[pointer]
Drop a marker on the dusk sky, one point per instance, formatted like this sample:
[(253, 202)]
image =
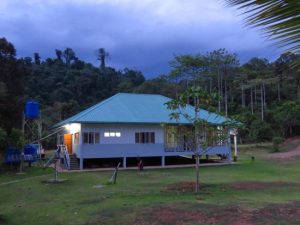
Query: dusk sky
[(142, 35)]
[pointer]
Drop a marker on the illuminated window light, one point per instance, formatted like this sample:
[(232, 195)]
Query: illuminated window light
[(112, 134)]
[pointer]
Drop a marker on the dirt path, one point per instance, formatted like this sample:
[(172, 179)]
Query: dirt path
[(286, 155), (23, 179)]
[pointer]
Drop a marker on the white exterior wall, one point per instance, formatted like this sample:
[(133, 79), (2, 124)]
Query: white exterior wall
[(127, 132), (72, 129), (125, 146)]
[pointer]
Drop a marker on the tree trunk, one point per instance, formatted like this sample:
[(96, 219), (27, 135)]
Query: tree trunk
[(187, 87), (226, 101), (251, 101), (278, 92), (264, 90), (219, 91), (197, 106), (221, 81), (298, 90), (197, 187), (255, 101), (262, 102), (243, 97)]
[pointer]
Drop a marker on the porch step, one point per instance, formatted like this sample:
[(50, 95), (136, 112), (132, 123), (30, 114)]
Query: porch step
[(74, 165)]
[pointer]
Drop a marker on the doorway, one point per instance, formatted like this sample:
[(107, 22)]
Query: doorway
[(68, 142)]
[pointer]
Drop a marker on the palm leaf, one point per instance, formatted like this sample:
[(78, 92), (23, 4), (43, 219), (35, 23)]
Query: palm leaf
[(279, 19)]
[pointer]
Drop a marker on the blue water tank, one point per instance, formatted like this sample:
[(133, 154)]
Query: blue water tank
[(32, 110)]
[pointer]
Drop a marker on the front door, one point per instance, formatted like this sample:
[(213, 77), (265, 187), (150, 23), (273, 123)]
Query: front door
[(68, 142)]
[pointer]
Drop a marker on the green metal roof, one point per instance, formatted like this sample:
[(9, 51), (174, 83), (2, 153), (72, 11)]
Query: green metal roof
[(136, 108)]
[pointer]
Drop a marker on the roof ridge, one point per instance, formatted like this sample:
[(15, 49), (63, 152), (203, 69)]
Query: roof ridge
[(126, 93)]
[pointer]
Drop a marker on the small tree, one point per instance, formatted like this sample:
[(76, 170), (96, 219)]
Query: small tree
[(276, 143), (197, 139), (102, 55)]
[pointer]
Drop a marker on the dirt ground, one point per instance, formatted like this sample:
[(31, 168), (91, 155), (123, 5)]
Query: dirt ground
[(285, 155), (226, 215), (252, 185), (290, 154), (214, 214), (261, 185)]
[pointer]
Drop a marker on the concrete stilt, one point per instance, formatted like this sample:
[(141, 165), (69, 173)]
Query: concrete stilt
[(81, 163), (235, 148), (124, 162), (163, 161)]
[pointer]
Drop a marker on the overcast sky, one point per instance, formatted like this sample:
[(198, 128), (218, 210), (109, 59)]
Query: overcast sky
[(138, 34)]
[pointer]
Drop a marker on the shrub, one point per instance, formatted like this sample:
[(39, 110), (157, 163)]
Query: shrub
[(16, 139), (260, 131), (276, 142)]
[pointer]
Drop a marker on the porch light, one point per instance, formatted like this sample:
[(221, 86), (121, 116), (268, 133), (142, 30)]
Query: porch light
[(73, 127)]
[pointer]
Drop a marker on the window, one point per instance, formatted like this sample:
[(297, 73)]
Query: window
[(85, 138), (91, 138), (97, 138), (112, 134), (144, 137), (76, 138)]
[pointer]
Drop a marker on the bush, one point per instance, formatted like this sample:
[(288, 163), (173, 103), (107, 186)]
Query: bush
[(260, 131), (276, 142), (16, 139)]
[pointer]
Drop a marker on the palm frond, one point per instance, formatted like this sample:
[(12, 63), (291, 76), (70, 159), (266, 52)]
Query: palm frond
[(279, 19)]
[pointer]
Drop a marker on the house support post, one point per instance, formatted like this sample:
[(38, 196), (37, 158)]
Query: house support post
[(81, 163), (235, 148), (163, 161), (124, 162)]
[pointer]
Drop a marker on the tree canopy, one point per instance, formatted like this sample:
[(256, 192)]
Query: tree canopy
[(258, 93)]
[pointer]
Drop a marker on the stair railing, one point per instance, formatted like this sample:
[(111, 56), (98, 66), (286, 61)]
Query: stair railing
[(65, 154)]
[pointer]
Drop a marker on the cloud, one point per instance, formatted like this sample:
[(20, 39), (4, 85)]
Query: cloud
[(138, 34)]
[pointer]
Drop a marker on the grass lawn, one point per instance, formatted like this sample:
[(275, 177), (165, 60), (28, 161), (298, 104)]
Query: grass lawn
[(259, 192)]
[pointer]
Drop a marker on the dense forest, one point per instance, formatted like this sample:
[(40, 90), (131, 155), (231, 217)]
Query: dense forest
[(264, 95)]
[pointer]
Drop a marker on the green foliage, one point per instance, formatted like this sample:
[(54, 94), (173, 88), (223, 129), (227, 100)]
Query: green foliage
[(64, 85), (12, 72), (276, 142), (279, 19), (16, 139), (199, 98), (260, 131), (3, 136), (287, 115)]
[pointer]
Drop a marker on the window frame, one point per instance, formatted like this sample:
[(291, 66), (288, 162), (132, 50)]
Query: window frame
[(147, 137), (76, 138), (89, 137)]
